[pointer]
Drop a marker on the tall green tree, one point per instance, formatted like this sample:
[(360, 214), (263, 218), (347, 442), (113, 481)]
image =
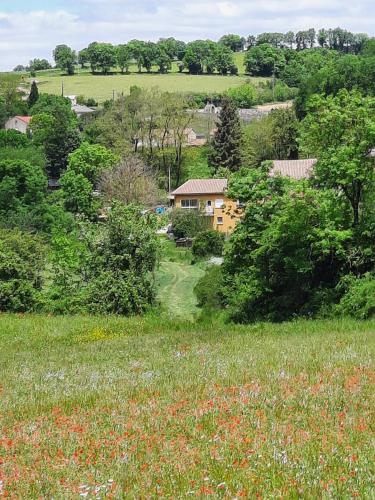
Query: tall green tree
[(340, 132), (65, 58), (226, 144), (264, 60), (124, 57), (102, 56), (34, 94)]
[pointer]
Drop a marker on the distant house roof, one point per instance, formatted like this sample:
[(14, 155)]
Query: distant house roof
[(81, 109), (296, 169), (25, 119), (202, 186)]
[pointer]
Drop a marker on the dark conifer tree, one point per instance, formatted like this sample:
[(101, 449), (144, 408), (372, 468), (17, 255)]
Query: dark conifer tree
[(226, 143), (34, 94)]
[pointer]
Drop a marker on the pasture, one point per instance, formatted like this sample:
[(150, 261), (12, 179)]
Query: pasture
[(152, 407), (103, 87)]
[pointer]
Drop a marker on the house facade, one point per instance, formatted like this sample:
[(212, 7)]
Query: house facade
[(19, 123), (209, 197)]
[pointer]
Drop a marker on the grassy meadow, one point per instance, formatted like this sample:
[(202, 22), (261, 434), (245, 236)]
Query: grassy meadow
[(150, 407), (101, 87)]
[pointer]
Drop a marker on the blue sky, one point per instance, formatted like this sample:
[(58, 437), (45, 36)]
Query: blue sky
[(32, 28)]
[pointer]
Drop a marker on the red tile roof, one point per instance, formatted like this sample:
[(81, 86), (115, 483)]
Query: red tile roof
[(202, 186), (297, 169), (25, 119)]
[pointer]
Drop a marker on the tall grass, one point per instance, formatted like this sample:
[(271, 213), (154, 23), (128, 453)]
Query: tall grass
[(146, 407)]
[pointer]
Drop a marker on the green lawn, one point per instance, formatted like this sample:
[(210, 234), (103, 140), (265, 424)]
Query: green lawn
[(146, 408)]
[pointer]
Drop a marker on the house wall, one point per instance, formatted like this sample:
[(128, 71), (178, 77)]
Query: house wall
[(16, 124), (229, 213)]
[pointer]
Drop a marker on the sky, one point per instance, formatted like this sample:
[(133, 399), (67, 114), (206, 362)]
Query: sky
[(32, 28)]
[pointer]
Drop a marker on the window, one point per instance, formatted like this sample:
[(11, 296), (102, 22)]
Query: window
[(220, 221), (189, 203), (219, 202)]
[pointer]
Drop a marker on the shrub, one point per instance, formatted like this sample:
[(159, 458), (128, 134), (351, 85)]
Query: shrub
[(188, 223), (245, 96), (359, 298), (208, 243), (123, 259), (207, 290), (13, 139), (21, 266)]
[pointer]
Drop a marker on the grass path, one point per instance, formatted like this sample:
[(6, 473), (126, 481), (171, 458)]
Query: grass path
[(176, 278), (176, 282)]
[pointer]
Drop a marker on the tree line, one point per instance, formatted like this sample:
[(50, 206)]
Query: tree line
[(198, 56)]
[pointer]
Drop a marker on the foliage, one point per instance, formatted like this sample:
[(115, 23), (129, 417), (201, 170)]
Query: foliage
[(208, 243), (55, 128), (101, 56), (207, 290), (287, 256), (34, 94), (264, 60), (85, 166), (38, 65), (65, 58), (359, 297), (245, 96), (78, 194), (31, 154), (195, 164), (21, 265), (227, 139), (124, 57), (207, 56), (123, 260), (188, 223), (14, 139), (21, 185), (340, 132), (233, 42), (91, 160)]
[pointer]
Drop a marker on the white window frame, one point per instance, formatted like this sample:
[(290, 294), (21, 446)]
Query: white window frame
[(190, 204), (218, 221), (219, 203)]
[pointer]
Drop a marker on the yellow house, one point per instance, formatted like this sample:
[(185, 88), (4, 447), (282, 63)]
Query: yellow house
[(208, 196)]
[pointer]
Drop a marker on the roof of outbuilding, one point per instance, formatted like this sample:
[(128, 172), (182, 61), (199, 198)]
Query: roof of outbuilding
[(296, 169), (202, 186), (25, 119), (82, 109)]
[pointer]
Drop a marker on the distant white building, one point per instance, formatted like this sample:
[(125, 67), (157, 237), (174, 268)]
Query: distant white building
[(82, 110), (72, 99), (19, 123)]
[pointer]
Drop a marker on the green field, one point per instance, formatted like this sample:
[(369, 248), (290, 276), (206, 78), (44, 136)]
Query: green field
[(146, 408), (101, 87)]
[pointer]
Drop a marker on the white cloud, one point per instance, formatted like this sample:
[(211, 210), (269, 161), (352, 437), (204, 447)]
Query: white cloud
[(25, 35)]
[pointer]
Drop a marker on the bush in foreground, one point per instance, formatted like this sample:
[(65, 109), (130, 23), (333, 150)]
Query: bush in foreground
[(21, 265)]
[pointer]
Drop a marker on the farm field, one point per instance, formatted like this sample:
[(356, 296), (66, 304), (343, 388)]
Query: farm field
[(147, 407), (101, 87)]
